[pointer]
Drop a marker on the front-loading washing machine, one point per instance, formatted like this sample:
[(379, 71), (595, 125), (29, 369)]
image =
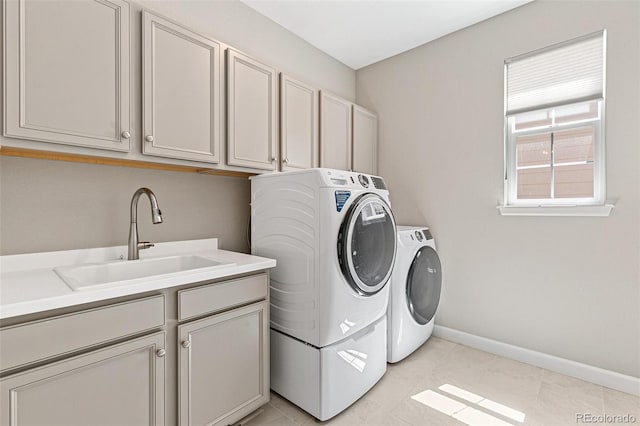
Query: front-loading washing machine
[(333, 236), (414, 295)]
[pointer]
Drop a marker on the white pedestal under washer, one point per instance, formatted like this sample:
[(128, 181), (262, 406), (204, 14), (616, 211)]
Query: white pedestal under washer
[(414, 295), (333, 236)]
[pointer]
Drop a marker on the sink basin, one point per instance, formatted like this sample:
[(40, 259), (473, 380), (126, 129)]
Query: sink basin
[(122, 272)]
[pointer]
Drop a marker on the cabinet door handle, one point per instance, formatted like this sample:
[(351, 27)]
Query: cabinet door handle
[(161, 352), (285, 161), (274, 159), (186, 344), (149, 138), (126, 135)]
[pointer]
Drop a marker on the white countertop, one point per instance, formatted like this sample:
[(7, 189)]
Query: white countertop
[(28, 283)]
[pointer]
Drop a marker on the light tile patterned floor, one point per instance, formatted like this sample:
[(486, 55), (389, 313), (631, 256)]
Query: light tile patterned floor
[(460, 385)]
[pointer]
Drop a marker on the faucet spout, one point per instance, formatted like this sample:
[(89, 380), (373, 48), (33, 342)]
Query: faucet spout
[(156, 217)]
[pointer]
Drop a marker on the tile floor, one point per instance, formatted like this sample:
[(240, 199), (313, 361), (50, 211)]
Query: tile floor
[(460, 385)]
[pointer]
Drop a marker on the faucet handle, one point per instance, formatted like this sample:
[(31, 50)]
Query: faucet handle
[(145, 245)]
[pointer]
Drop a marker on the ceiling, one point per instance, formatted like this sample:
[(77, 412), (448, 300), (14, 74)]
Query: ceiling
[(361, 32)]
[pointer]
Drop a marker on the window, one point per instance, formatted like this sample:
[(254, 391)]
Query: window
[(554, 125)]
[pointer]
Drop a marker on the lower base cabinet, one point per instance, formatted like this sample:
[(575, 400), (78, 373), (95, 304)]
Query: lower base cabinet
[(109, 365), (223, 366), (122, 384)]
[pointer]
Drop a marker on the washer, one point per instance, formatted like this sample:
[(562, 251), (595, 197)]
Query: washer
[(416, 283), (333, 236)]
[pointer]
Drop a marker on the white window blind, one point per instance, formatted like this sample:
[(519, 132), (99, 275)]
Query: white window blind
[(566, 73)]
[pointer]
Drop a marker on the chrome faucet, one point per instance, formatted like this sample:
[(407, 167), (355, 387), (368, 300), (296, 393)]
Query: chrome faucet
[(156, 217)]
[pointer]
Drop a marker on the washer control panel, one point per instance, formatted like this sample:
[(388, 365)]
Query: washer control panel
[(364, 181), (378, 183), (352, 180)]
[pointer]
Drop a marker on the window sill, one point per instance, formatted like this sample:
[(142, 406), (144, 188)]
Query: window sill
[(600, 210)]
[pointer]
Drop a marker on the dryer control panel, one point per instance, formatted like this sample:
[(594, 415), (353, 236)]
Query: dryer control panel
[(414, 235)]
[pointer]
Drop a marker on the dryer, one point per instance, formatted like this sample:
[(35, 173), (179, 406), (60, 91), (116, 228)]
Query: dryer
[(414, 296), (333, 235)]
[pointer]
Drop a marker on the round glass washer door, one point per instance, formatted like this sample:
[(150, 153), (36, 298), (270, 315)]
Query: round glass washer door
[(424, 283), (367, 244)]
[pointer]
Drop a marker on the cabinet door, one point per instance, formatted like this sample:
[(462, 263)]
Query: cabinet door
[(67, 72), (181, 81), (224, 366), (365, 141), (251, 113), (298, 124), (335, 132), (119, 385)]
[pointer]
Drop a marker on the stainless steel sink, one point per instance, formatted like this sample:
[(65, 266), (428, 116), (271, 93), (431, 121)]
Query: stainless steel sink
[(122, 272)]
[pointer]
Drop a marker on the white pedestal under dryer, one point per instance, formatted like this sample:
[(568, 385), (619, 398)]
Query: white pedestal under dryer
[(414, 295), (333, 236)]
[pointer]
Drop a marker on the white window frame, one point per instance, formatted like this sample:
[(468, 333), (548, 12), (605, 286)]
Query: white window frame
[(511, 181), (592, 206)]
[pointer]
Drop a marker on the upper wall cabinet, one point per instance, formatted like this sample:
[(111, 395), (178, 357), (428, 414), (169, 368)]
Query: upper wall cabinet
[(335, 132), (251, 113), (66, 72), (181, 92), (298, 124), (365, 141)]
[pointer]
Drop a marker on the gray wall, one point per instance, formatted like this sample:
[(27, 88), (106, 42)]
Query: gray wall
[(47, 205), (566, 286), (54, 205)]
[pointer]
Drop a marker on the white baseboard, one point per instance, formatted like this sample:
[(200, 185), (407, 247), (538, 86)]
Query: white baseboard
[(589, 373)]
